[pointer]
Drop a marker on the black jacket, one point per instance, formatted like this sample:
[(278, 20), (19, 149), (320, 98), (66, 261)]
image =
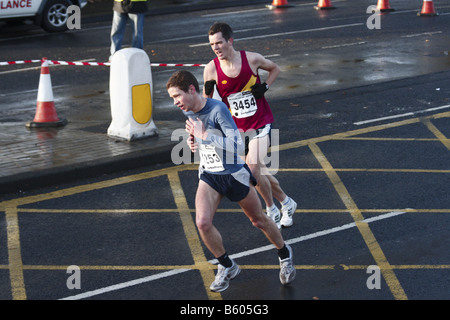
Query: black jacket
[(130, 6)]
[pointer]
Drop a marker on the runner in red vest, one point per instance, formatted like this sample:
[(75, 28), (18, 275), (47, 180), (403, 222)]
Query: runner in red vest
[(235, 74)]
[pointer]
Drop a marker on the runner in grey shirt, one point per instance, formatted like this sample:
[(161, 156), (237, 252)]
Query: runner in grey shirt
[(221, 149), (217, 139)]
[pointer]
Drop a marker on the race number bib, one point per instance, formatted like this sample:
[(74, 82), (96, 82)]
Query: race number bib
[(242, 104), (209, 159)]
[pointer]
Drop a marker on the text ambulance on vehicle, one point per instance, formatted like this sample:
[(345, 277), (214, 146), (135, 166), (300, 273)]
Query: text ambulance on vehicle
[(51, 15)]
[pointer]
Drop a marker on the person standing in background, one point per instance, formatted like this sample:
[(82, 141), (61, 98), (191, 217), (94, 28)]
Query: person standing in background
[(124, 10)]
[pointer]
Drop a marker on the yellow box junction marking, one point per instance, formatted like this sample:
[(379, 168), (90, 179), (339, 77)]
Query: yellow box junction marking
[(11, 210)]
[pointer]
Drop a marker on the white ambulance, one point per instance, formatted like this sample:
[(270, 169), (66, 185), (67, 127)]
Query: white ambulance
[(49, 14)]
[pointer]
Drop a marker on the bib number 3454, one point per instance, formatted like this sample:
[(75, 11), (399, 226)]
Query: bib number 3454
[(242, 104)]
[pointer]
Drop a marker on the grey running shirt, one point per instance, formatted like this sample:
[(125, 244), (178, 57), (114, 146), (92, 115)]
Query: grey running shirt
[(220, 152)]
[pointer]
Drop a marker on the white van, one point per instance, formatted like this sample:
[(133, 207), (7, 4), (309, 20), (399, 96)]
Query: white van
[(51, 15)]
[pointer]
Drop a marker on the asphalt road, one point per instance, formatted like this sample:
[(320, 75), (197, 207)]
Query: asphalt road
[(317, 51), (363, 117)]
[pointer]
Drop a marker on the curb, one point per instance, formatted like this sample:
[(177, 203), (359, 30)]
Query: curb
[(90, 169)]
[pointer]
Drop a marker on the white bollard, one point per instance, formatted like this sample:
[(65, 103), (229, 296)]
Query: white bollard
[(130, 90)]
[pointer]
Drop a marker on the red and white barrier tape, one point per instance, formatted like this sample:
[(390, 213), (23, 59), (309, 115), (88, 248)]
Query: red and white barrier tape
[(177, 65), (79, 63), (8, 63)]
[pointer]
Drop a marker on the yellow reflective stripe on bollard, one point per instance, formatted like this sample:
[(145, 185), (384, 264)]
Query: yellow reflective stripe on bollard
[(142, 103)]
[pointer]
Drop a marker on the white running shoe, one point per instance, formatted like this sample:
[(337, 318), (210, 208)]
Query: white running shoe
[(223, 277), (287, 268), (288, 211), (275, 215)]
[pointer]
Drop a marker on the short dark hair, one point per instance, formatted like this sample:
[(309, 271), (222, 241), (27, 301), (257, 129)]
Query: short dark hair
[(226, 30), (183, 79)]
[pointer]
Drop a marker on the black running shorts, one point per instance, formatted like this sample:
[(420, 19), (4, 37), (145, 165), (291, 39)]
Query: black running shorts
[(234, 186)]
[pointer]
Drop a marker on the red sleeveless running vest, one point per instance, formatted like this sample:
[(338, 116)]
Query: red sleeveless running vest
[(246, 78)]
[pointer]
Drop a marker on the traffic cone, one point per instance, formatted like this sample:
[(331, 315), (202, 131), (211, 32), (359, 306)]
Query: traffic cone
[(45, 107), (324, 5), (383, 6), (279, 4), (427, 9)]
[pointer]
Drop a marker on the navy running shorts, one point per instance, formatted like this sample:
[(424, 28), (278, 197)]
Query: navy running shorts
[(234, 186)]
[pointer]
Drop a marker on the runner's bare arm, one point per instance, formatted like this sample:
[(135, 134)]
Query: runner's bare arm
[(257, 61)]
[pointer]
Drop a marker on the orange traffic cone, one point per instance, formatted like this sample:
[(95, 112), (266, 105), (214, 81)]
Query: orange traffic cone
[(45, 107), (383, 6), (427, 9), (279, 4), (324, 5)]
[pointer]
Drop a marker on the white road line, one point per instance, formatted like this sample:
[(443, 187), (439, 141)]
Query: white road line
[(126, 284), (45, 34), (420, 34), (254, 10), (313, 235), (30, 91), (233, 256), (205, 35), (287, 33), (20, 70), (384, 216), (232, 12), (344, 45), (309, 4), (408, 114)]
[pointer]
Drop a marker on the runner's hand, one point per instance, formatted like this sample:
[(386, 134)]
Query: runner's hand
[(193, 145), (259, 89), (196, 128)]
